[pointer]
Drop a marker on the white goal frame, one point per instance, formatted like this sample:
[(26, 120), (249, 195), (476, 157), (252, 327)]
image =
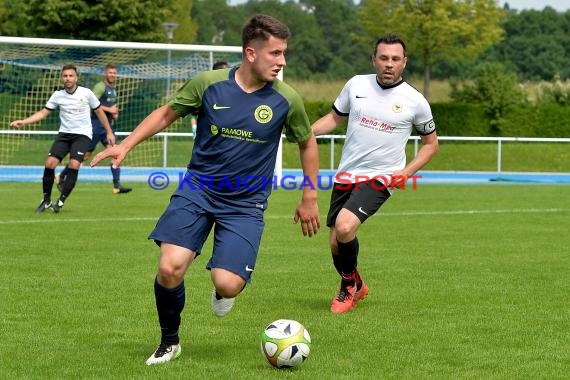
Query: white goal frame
[(167, 47)]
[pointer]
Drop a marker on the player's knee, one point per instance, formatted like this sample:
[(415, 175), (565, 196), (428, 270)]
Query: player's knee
[(74, 164), (227, 284), (344, 230), (230, 290), (170, 276)]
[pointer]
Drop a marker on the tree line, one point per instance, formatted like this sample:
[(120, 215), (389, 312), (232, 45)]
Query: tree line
[(332, 39)]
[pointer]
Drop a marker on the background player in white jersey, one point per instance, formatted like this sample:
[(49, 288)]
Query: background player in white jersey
[(75, 104), (382, 109), (105, 91)]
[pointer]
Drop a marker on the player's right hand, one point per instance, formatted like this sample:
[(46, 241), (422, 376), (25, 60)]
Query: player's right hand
[(17, 124), (111, 138), (116, 152), (114, 110)]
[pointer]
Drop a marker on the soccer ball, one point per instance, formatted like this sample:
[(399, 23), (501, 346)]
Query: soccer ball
[(285, 343)]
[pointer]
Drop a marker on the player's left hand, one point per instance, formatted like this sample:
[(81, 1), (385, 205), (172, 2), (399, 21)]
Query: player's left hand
[(17, 124), (116, 152), (111, 138), (308, 213), (398, 180)]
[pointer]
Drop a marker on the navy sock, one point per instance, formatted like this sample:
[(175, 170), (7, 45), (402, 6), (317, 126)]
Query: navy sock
[(116, 172), (169, 305)]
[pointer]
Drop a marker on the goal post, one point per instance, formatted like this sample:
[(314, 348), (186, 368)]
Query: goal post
[(148, 74)]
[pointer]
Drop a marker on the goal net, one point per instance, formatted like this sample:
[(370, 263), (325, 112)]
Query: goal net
[(148, 74)]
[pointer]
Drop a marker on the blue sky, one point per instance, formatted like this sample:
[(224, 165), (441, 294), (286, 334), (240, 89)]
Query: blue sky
[(559, 5)]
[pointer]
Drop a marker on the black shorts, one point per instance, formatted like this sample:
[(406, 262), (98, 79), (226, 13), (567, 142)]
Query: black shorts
[(70, 143), (362, 199)]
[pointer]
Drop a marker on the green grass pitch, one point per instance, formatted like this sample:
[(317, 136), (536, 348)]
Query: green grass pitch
[(466, 281)]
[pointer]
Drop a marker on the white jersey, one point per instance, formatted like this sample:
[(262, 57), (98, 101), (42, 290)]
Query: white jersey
[(379, 125), (74, 110)]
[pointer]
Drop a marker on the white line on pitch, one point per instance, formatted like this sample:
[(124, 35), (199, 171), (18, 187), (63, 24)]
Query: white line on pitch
[(60, 219)]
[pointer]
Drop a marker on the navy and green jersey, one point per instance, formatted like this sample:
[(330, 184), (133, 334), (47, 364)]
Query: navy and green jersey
[(108, 98), (238, 133)]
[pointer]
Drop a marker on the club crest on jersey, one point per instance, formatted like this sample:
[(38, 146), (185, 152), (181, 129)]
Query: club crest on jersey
[(397, 108), (213, 129), (263, 114)]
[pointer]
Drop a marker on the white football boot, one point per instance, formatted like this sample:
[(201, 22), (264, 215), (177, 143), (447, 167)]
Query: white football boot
[(164, 353), (222, 306)]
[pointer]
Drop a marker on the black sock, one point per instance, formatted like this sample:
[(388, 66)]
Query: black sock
[(336, 263), (47, 183), (169, 305), (63, 173), (69, 183), (348, 254), (116, 172)]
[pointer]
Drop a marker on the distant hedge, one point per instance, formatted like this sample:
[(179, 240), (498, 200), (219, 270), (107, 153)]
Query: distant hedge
[(459, 119)]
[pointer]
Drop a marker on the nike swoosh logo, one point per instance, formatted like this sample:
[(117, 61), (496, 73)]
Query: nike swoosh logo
[(360, 97), (248, 269), (217, 107), (362, 211)]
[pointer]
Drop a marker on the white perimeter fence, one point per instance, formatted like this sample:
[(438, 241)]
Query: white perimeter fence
[(334, 138)]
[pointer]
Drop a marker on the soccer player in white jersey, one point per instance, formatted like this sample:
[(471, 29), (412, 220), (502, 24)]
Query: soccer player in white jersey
[(382, 110), (75, 104)]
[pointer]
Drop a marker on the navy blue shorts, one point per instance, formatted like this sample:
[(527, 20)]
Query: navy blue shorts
[(188, 220), (100, 135)]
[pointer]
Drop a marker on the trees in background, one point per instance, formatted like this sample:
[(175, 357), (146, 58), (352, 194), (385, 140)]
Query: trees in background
[(110, 20), (436, 30), (495, 87), (536, 44), (332, 39)]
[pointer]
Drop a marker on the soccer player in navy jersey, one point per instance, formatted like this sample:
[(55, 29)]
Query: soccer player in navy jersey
[(382, 110), (75, 104), (242, 112)]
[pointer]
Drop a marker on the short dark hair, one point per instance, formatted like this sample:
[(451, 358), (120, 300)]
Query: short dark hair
[(261, 27), (69, 67), (389, 39), (220, 65), (110, 66)]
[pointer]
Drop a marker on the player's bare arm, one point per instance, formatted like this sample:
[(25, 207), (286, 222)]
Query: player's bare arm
[(113, 110), (308, 210), (40, 115), (428, 150), (327, 123), (103, 119), (158, 120)]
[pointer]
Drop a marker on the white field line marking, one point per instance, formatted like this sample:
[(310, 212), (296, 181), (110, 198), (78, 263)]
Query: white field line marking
[(59, 219)]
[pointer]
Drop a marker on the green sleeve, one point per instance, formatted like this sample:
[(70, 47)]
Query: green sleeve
[(99, 89), (188, 98), (297, 126)]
